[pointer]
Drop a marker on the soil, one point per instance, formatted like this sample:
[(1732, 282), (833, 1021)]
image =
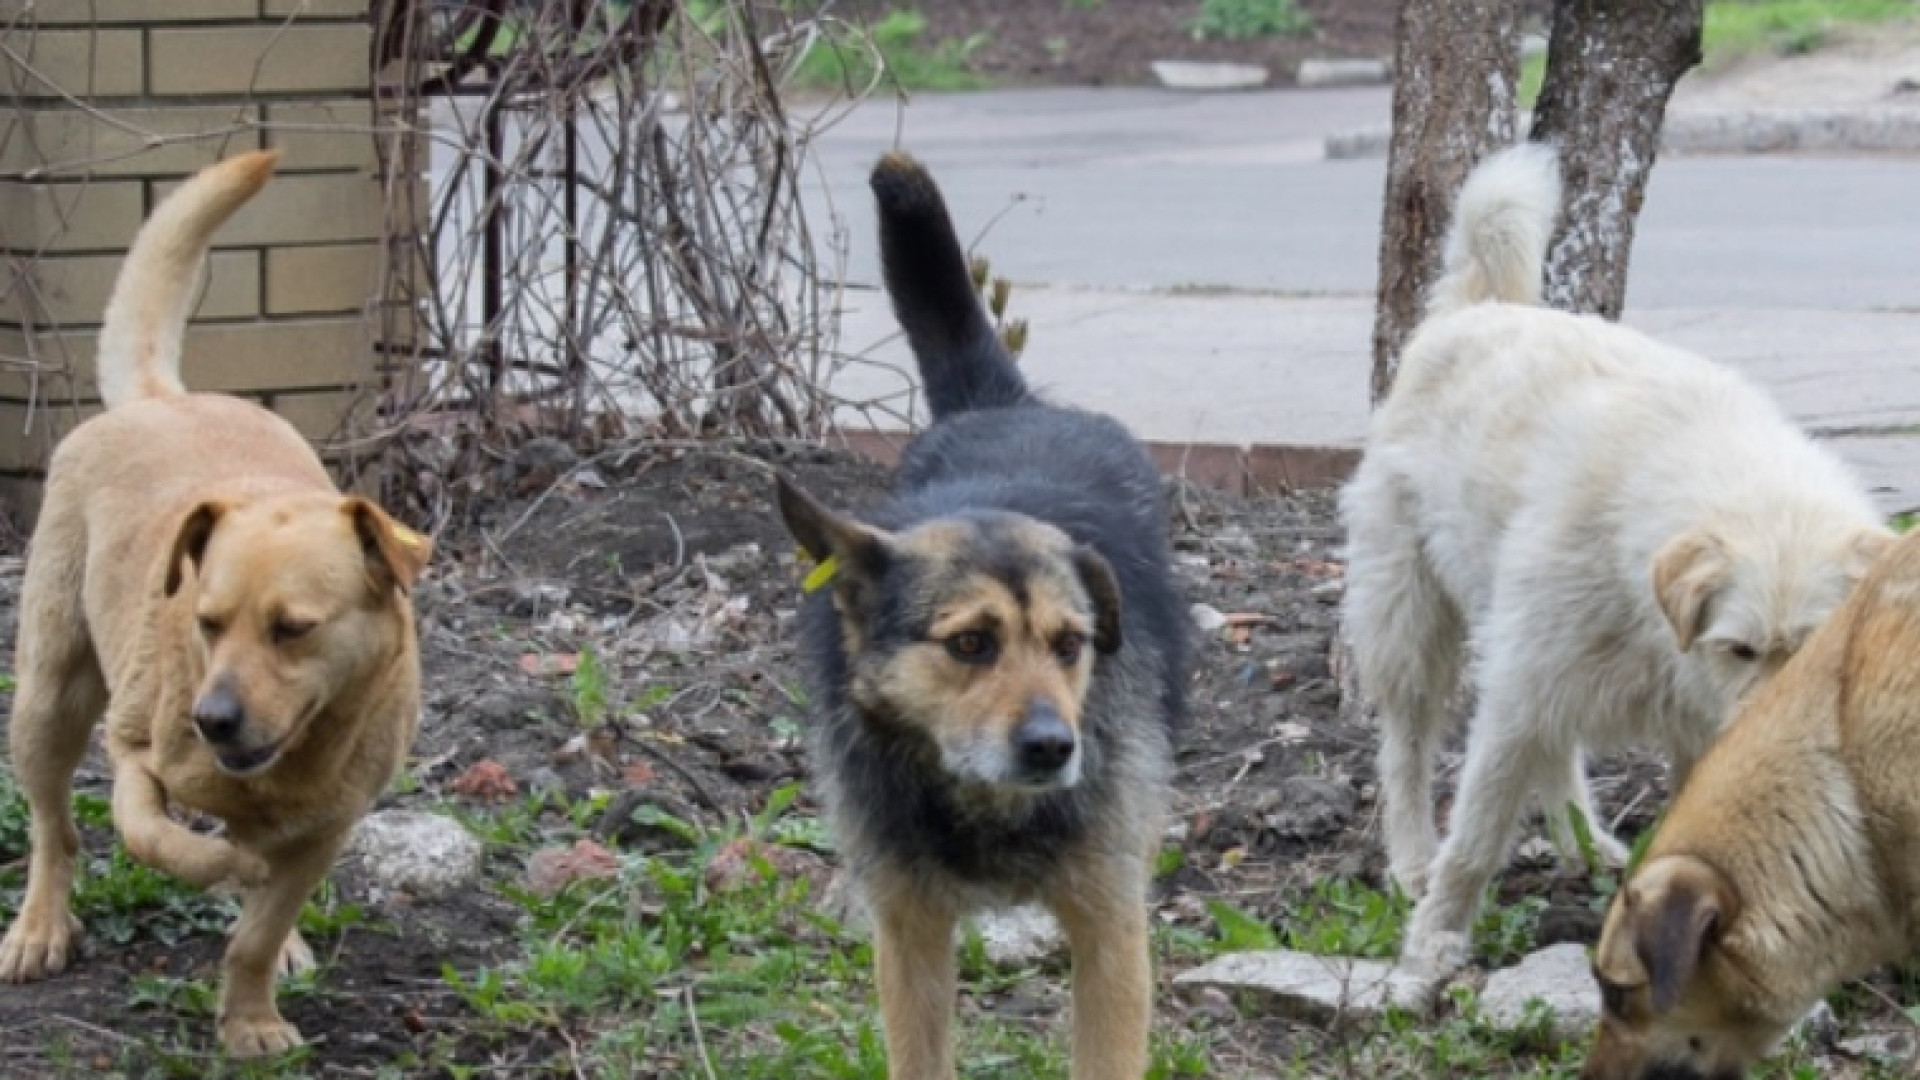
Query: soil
[(1113, 42), (674, 566)]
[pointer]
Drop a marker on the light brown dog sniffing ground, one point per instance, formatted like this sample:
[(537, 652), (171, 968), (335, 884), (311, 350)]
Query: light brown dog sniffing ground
[(244, 627), (1789, 862)]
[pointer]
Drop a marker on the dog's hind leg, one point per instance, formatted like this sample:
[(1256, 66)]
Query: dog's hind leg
[(1505, 764), (1101, 904), (917, 976), (1560, 803), (57, 700), (1408, 641)]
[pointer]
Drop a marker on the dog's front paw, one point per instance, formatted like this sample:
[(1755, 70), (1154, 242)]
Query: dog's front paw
[(35, 948), (1435, 957), (256, 1038), (296, 957)]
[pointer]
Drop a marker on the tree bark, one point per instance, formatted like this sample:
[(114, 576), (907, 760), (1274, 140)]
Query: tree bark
[(1611, 67), (1456, 70)]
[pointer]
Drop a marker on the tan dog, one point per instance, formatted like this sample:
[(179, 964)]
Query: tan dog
[(244, 627), (1789, 862)]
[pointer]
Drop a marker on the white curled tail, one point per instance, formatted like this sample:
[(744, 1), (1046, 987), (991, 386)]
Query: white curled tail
[(1502, 222), (159, 284)]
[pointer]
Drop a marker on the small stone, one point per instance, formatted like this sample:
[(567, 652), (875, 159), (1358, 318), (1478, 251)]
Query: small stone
[(545, 781), (1324, 72), (485, 780), (1315, 989), (1559, 977), (1308, 807), (1330, 592), (1207, 617), (423, 855), (553, 869), (1887, 1048), (1019, 937), (744, 862)]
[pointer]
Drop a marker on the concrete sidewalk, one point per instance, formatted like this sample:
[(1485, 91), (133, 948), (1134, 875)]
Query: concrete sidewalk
[(1190, 265), (1239, 371)]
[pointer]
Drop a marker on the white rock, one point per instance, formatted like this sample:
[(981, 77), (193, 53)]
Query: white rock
[(1317, 989), (1193, 75), (1019, 937), (1888, 1048), (1207, 617), (1325, 72), (1557, 976), (423, 855)]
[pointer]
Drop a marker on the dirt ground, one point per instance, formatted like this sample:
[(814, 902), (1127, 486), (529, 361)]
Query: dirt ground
[(1113, 42), (675, 569)]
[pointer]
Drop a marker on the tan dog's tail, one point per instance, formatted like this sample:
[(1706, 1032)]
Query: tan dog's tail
[(1502, 221), (159, 285)]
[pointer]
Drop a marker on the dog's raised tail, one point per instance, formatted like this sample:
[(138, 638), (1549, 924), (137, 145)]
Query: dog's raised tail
[(159, 284), (963, 364), (1502, 222)]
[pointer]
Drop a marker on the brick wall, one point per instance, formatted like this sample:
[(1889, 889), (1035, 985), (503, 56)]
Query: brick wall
[(113, 102)]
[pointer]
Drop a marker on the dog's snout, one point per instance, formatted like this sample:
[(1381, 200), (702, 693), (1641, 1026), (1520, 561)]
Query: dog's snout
[(219, 715), (1043, 740)]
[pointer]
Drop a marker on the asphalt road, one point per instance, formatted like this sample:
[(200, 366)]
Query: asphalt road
[(1142, 189)]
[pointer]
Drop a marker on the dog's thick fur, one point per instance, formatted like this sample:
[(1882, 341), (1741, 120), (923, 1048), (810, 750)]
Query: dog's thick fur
[(1790, 861), (1016, 582), (244, 627), (1629, 536)]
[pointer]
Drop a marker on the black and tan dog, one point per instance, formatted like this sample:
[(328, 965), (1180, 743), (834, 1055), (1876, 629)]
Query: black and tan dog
[(997, 667), (1788, 863)]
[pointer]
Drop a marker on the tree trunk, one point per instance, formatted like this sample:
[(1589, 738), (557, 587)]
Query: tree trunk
[(1611, 66), (1456, 69)]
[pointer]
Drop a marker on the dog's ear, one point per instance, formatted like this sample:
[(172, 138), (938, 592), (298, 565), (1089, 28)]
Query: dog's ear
[(1687, 571), (1096, 576), (1865, 550), (860, 551), (1676, 909), (190, 542), (395, 554)]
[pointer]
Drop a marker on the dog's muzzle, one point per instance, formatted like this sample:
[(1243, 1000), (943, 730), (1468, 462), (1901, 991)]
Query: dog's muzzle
[(1044, 746), (221, 720)]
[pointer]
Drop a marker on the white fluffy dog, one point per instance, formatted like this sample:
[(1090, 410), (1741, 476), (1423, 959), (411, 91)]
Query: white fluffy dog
[(1630, 536)]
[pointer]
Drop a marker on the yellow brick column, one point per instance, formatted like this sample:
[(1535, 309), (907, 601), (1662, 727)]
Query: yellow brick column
[(113, 101)]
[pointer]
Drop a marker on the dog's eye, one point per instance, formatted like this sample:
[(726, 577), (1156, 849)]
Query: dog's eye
[(210, 626), (971, 647), (289, 630), (1067, 647), (1743, 652)]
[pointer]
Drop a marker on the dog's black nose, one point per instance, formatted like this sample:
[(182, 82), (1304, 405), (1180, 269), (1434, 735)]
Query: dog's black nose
[(1043, 741), (219, 715)]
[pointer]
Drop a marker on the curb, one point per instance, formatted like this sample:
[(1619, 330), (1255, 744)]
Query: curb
[(1259, 469), (1881, 131)]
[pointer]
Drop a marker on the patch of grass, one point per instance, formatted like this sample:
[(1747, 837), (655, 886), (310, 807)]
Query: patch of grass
[(1343, 917), (1900, 523), (1737, 28), (1790, 27), (1244, 20), (899, 40), (121, 901)]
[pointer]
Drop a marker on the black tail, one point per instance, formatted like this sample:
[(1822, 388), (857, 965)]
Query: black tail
[(962, 363)]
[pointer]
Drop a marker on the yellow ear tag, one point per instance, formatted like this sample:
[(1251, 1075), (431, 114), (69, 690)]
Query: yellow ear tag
[(407, 537), (820, 574)]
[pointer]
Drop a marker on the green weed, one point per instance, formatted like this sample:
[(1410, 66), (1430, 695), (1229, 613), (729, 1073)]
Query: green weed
[(904, 57), (1243, 20)]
